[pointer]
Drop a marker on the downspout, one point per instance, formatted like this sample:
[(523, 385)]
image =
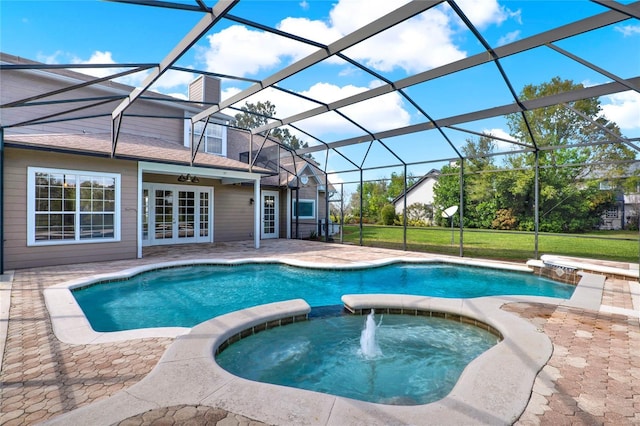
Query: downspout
[(2, 201)]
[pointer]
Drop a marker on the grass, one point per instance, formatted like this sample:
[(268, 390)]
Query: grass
[(507, 245)]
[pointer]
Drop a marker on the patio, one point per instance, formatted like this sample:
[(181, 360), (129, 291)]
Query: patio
[(591, 378)]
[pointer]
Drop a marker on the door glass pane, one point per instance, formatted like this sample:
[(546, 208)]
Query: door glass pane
[(164, 214), (186, 214), (204, 214), (269, 214), (145, 214)]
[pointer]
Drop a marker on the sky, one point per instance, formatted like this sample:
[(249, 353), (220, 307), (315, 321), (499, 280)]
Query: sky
[(82, 31)]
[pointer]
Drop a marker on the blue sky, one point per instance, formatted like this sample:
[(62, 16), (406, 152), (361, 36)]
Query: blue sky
[(104, 32)]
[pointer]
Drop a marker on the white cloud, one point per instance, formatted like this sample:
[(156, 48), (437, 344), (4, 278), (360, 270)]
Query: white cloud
[(484, 12), (628, 30), (382, 113), (421, 43), (178, 95), (499, 144), (170, 79), (509, 38), (623, 109), (49, 59), (239, 51)]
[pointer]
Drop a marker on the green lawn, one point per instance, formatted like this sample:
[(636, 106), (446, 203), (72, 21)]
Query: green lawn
[(519, 246)]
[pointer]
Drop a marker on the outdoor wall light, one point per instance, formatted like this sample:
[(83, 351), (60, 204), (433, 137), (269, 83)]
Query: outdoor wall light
[(251, 201), (188, 178)]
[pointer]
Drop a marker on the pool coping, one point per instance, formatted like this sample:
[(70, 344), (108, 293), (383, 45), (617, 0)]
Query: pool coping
[(493, 389), (70, 325)]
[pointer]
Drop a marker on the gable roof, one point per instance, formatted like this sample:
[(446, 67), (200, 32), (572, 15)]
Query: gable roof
[(130, 147), (433, 174)]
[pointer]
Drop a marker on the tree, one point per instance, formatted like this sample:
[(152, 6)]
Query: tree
[(569, 200), (571, 157), (396, 184), (446, 193), (479, 182), (259, 114)]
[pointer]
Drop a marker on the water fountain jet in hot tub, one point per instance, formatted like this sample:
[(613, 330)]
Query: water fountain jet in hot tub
[(408, 360)]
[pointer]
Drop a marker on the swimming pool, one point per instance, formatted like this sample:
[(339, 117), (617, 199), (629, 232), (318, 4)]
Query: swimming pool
[(186, 296)]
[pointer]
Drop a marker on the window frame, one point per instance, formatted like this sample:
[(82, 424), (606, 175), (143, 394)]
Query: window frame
[(304, 200), (77, 212), (205, 142)]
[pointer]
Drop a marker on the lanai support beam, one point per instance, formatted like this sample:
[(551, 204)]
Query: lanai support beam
[(536, 202), (256, 213), (461, 208), (404, 209), (2, 201), (196, 33)]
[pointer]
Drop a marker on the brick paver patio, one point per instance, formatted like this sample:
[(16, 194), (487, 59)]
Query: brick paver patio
[(592, 377)]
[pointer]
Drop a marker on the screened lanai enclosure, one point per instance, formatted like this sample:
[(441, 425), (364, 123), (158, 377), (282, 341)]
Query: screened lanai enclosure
[(528, 112)]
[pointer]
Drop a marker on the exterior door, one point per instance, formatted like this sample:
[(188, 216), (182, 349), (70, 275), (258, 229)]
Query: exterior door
[(174, 214), (269, 228)]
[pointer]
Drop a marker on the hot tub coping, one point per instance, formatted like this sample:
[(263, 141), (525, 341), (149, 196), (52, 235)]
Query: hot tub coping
[(493, 389)]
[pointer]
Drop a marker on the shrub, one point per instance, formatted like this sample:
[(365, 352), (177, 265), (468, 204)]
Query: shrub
[(388, 214), (504, 220)]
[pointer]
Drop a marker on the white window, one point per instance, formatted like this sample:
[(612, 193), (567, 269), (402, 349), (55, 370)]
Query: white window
[(307, 209), (72, 206), (605, 185), (612, 213), (214, 140)]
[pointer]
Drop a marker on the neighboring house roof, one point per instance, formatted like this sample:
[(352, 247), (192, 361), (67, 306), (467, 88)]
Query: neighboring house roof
[(433, 174), (130, 147)]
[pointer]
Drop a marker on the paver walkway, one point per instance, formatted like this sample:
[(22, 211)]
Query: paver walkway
[(592, 378)]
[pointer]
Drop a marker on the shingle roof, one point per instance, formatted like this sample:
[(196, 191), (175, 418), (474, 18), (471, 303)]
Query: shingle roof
[(131, 147)]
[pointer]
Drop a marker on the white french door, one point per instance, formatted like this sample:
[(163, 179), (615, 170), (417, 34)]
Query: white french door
[(174, 214), (269, 226)]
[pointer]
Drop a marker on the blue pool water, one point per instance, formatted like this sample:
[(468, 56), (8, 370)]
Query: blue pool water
[(420, 359), (186, 296)]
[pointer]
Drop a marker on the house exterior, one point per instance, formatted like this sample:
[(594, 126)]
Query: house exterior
[(71, 195), (625, 213), (420, 192)]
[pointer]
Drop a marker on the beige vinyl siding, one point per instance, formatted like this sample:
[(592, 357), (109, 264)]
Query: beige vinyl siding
[(20, 85), (237, 143), (282, 209), (18, 255), (232, 213)]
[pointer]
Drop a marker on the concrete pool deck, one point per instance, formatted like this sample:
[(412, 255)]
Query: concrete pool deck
[(591, 377)]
